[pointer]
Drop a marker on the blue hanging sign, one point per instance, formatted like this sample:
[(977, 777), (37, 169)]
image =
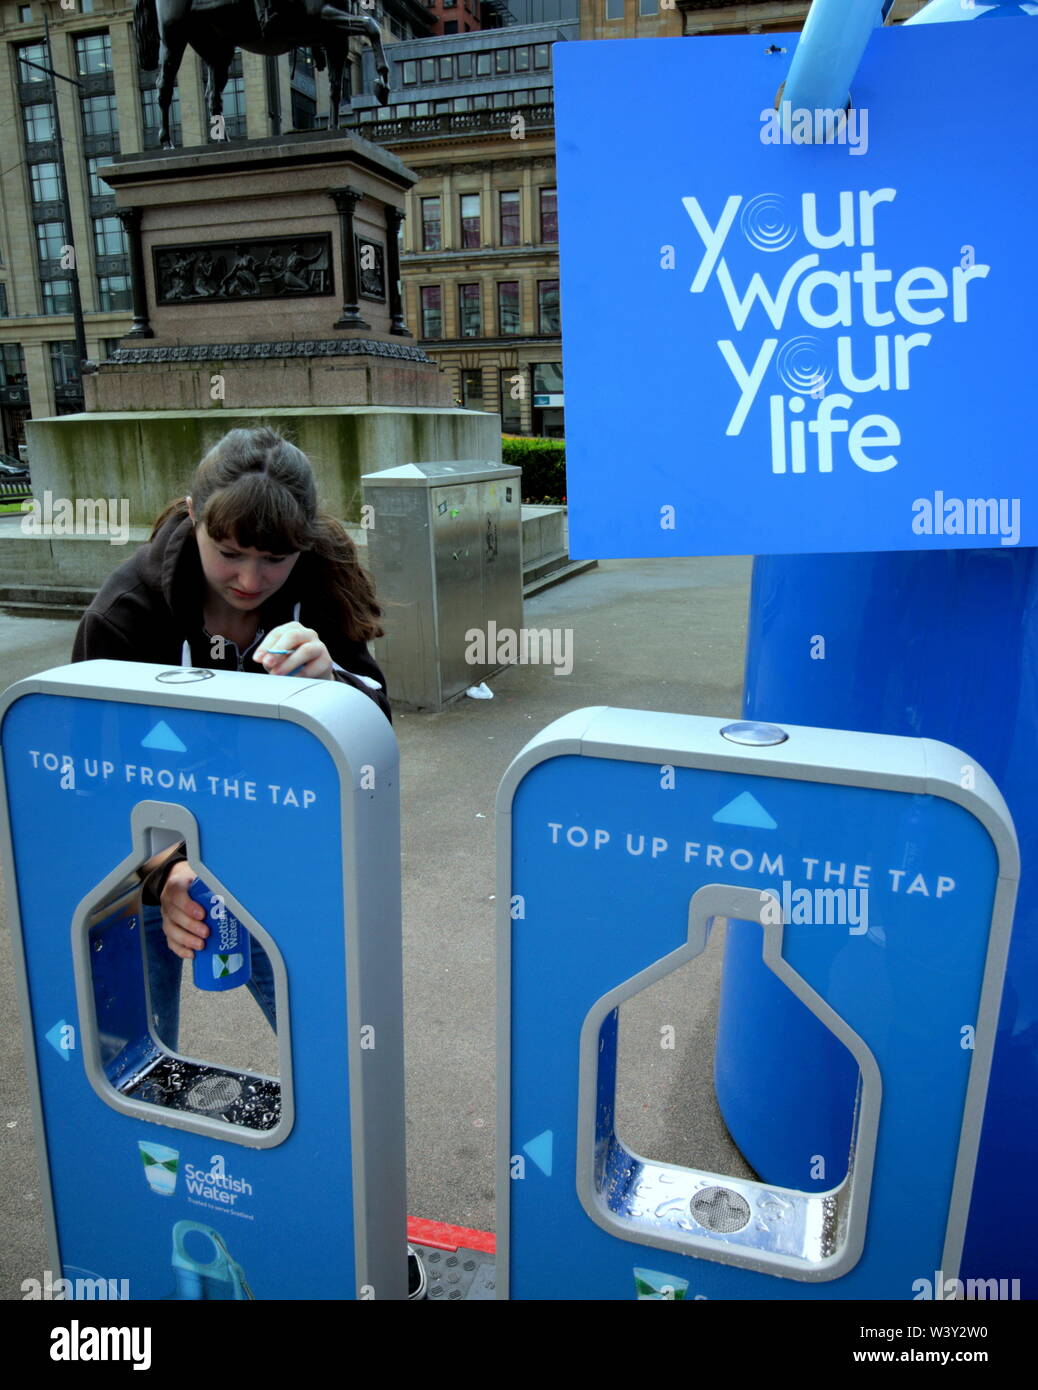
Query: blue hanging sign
[(879, 874), (167, 1175), (774, 344)]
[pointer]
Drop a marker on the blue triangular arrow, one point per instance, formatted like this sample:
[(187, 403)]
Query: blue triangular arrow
[(162, 736), (745, 810), (56, 1038), (539, 1150)]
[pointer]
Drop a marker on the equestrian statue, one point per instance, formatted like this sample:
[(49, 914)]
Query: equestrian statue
[(215, 28)]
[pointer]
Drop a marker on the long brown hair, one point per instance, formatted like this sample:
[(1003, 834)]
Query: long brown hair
[(257, 490)]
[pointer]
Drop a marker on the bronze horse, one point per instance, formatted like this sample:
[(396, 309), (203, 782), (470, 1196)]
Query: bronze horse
[(215, 28)]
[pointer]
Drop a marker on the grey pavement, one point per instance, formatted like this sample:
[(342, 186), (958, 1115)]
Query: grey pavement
[(647, 634)]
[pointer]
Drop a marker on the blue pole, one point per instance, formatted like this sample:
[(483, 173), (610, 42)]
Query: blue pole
[(827, 56)]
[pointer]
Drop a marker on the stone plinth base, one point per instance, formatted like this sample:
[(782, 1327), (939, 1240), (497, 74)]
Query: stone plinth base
[(147, 457), (225, 376)]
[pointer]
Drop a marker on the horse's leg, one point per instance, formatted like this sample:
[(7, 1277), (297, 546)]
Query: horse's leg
[(336, 64), (366, 26), (172, 42), (381, 86), (217, 56)]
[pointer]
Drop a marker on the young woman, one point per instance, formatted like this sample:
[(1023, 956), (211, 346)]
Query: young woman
[(243, 574)]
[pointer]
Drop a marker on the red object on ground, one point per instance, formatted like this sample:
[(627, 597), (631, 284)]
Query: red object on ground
[(439, 1236)]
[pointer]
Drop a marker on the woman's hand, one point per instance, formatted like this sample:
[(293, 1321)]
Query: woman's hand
[(181, 916), (306, 653)]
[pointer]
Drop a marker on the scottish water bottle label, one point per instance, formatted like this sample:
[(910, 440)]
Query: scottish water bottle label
[(225, 962)]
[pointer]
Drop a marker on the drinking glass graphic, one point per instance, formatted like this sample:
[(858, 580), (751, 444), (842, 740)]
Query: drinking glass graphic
[(160, 1166)]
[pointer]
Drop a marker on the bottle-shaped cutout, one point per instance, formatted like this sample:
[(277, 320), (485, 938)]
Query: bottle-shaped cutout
[(204, 1268), (225, 962)]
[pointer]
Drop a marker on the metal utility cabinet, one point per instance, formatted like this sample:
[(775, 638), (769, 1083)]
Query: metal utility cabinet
[(445, 550)]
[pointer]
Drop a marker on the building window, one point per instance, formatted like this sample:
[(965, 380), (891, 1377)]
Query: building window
[(513, 383), (24, 14), (470, 220), (39, 122), (483, 64), (508, 315), (548, 306), (95, 165), (504, 99), (110, 237), (428, 69), (410, 72), (57, 296), (502, 60), (462, 103), (472, 388), (464, 64), (646, 7), (114, 292), (549, 214), (543, 95), (152, 119), (450, 26), (100, 116), (446, 69), (50, 240), (509, 213), (234, 108), (304, 111), (12, 365), (547, 379), (29, 53), (540, 55), (432, 311), (109, 346), (614, 9), (470, 311), (46, 184), (64, 364), (431, 225), (93, 54), (3, 300)]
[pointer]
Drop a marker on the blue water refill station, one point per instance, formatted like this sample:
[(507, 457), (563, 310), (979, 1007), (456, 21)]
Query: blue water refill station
[(623, 836), (185, 1177)]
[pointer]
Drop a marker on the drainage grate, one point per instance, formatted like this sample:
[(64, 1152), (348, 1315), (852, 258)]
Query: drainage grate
[(720, 1209), (213, 1093), (237, 1097)]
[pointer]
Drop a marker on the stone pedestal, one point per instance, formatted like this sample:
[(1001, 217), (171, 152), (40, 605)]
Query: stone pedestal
[(265, 273), (266, 291)]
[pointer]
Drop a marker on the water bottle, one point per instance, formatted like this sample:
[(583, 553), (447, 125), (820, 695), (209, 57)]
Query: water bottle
[(225, 962)]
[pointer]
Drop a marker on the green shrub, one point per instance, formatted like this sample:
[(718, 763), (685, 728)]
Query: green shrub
[(543, 462)]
